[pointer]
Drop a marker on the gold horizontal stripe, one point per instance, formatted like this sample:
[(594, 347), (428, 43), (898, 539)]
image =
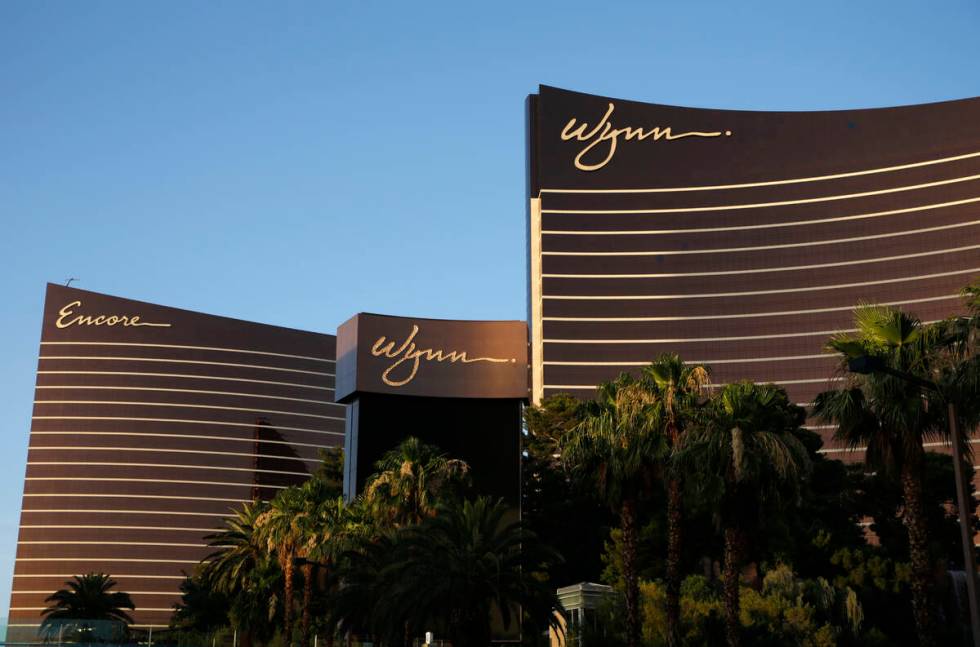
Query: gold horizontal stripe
[(715, 385), (645, 297), (171, 451), (154, 481), (799, 180), (778, 203), (112, 358), (107, 559), (174, 592), (112, 543), (115, 576), (678, 340), (843, 450), (182, 405), (101, 527), (709, 362), (818, 380), (173, 513), (186, 376), (217, 348), (192, 422), (134, 626), (140, 610), (759, 248), (758, 270), (775, 225), (130, 434), (329, 403), (747, 315), (185, 467), (134, 496)]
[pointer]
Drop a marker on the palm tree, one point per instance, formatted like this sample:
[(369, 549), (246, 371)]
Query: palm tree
[(353, 606), (891, 418), (412, 479), (331, 527), (743, 456), (242, 569), (86, 598), (619, 446), (202, 609), (677, 388), (239, 548), (451, 572), (283, 526), (312, 497)]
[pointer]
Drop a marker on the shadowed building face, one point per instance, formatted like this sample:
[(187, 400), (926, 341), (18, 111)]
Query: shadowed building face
[(150, 424)]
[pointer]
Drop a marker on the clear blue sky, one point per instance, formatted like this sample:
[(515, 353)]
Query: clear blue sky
[(295, 163)]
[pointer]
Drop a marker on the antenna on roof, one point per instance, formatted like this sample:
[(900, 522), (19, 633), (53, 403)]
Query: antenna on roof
[(68, 282)]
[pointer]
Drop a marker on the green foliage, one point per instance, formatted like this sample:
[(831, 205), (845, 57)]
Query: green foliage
[(826, 519), (447, 574), (879, 498), (745, 454), (605, 628), (242, 569), (548, 423), (787, 611), (892, 412), (649, 558), (883, 412), (620, 447), (379, 566), (556, 506), (411, 481), (619, 443), (201, 609), (239, 549), (256, 608), (330, 472), (678, 388)]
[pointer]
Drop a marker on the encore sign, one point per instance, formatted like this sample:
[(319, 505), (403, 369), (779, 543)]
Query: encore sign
[(431, 357), (71, 314)]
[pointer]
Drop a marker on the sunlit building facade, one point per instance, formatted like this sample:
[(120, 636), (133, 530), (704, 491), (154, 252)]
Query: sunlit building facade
[(742, 240)]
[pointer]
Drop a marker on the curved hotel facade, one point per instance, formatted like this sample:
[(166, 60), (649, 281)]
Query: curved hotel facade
[(150, 424), (739, 239)]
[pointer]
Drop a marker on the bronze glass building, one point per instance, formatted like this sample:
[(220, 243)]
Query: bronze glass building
[(150, 424), (739, 239)]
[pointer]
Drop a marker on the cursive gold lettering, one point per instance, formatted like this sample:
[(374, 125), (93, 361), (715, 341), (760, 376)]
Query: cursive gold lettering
[(605, 133), (411, 355), (67, 317)]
